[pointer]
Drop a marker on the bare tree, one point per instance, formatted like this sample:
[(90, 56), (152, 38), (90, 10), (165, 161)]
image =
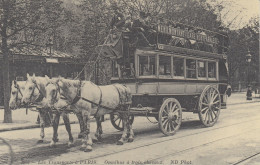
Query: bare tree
[(21, 23)]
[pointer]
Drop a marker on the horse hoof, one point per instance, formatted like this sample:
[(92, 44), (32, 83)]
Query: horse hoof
[(82, 147), (119, 143), (39, 141), (130, 140), (88, 149), (52, 145), (70, 144), (95, 140), (80, 136)]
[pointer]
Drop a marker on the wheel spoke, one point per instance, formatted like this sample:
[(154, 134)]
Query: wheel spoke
[(205, 98), (205, 104), (172, 109), (169, 125), (119, 122), (115, 119), (215, 97), (211, 115), (166, 112), (214, 113), (216, 102), (204, 109), (164, 122), (175, 123), (206, 116), (213, 93)]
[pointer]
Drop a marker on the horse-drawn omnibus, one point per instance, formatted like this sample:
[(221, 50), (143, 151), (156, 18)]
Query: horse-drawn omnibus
[(185, 69)]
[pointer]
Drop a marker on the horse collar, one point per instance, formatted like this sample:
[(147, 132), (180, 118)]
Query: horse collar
[(41, 96), (78, 95)]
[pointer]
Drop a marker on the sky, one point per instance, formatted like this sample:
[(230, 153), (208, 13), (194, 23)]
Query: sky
[(245, 9)]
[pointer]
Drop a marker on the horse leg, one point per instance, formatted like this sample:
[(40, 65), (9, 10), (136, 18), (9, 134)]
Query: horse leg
[(130, 130), (41, 116), (87, 143), (124, 135), (56, 119), (68, 128), (99, 128), (81, 125)]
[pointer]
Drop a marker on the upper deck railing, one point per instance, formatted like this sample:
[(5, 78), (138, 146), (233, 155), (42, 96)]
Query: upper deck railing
[(168, 33)]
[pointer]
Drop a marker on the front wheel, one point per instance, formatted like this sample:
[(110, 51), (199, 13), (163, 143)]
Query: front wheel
[(117, 122), (170, 116)]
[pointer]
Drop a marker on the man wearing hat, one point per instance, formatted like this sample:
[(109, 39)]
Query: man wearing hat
[(140, 26), (118, 20)]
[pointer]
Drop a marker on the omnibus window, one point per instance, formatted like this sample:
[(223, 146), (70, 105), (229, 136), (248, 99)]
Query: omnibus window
[(178, 64), (164, 65), (201, 69), (212, 69), (146, 65), (115, 68), (191, 68)]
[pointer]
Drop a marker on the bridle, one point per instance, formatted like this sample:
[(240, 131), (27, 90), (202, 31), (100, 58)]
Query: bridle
[(55, 98), (18, 91), (40, 97), (63, 97)]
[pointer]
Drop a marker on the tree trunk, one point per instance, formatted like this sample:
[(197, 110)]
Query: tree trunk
[(5, 51), (6, 82)]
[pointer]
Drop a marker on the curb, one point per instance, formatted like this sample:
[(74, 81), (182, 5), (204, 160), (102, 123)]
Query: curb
[(244, 102)]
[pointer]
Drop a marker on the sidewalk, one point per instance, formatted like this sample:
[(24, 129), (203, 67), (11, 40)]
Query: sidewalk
[(240, 98), (23, 121)]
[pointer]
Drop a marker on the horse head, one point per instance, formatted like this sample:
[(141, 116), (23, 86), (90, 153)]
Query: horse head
[(60, 92), (16, 94), (34, 90)]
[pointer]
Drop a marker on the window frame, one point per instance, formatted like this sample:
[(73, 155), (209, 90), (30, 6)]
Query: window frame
[(196, 69), (155, 64), (216, 70), (184, 67), (206, 71), (171, 66)]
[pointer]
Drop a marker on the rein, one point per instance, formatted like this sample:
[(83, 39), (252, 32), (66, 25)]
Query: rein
[(19, 91), (78, 97)]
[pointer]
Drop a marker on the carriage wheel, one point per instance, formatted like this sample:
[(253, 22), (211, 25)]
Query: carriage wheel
[(170, 116), (209, 106), (117, 122)]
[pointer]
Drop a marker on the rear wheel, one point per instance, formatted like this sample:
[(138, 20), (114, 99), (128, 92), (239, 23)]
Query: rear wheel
[(209, 106), (117, 121), (170, 116)]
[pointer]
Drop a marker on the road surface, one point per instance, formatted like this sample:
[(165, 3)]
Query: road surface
[(234, 139)]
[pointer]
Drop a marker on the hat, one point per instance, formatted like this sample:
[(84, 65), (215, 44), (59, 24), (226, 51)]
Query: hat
[(114, 6), (142, 14)]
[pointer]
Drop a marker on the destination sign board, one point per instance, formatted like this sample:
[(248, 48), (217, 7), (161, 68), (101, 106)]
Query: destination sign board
[(186, 34)]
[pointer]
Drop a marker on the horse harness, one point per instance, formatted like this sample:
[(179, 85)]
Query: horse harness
[(99, 104), (41, 96), (19, 91)]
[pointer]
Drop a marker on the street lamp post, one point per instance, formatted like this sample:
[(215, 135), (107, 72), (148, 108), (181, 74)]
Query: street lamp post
[(49, 45), (249, 88)]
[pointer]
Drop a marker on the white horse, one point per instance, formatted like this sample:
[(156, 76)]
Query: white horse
[(90, 99), (17, 89), (34, 92)]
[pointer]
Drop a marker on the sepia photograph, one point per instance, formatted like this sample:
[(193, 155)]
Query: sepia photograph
[(129, 82)]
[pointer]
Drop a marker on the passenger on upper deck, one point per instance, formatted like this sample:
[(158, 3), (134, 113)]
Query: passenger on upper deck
[(141, 26), (118, 20)]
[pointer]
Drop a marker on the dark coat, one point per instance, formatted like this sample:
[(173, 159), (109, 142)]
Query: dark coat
[(118, 20)]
